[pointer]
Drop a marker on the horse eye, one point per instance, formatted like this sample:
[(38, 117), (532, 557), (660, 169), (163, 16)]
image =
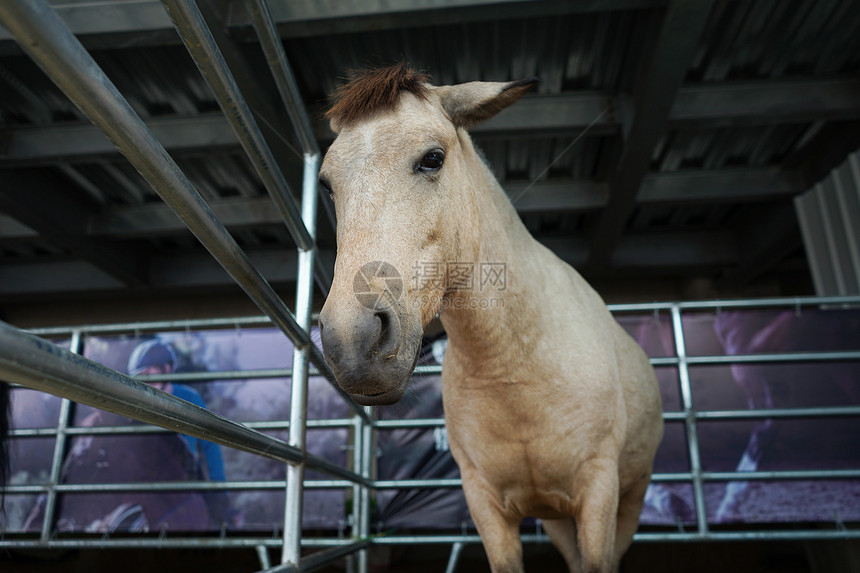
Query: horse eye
[(432, 162)]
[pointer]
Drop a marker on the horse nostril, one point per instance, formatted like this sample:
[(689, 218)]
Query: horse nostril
[(389, 334), (383, 323)]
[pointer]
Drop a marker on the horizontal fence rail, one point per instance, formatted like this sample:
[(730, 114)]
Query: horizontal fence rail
[(47, 40), (40, 365), (687, 416), (35, 363)]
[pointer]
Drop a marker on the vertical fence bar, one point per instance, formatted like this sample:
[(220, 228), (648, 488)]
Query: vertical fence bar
[(690, 421), (263, 556), (367, 472), (59, 452), (299, 394), (454, 558), (357, 454)]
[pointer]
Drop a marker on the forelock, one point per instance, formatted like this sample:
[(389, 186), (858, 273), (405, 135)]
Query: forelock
[(374, 91)]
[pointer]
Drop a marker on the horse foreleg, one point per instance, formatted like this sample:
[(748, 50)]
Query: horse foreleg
[(562, 533), (629, 509), (596, 519), (499, 533)]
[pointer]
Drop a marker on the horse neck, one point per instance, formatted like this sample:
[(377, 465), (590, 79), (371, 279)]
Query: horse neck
[(479, 318)]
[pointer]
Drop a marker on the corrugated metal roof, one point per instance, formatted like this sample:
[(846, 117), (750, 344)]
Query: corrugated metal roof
[(576, 48)]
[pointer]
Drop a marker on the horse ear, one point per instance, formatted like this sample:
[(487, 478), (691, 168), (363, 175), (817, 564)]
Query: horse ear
[(471, 103)]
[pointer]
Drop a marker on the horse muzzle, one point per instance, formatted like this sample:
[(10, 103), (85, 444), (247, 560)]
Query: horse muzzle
[(372, 352)]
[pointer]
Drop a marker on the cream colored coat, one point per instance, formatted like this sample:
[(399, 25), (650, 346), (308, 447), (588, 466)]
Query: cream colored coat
[(552, 410)]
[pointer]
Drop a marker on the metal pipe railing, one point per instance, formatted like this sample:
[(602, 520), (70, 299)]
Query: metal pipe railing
[(38, 364), (236, 322), (198, 486), (356, 515), (362, 526), (798, 303), (48, 41), (143, 429), (195, 34), (161, 541), (774, 535), (689, 415), (320, 559), (690, 421), (454, 558), (288, 89), (41, 33), (429, 483), (292, 551), (285, 80), (165, 542), (59, 453)]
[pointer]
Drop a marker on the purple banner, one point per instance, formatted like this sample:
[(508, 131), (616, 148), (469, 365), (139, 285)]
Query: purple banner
[(725, 445)]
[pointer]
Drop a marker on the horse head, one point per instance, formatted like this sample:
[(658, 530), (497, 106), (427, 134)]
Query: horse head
[(401, 175)]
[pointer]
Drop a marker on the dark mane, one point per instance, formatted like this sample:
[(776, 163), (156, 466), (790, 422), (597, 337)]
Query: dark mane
[(373, 91)]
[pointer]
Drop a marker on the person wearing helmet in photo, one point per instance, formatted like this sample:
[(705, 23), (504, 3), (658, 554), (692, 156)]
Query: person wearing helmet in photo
[(154, 357)]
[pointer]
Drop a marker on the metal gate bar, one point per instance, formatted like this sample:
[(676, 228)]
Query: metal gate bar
[(200, 43), (292, 551), (42, 34), (47, 40), (59, 453), (690, 422), (364, 457), (40, 365)]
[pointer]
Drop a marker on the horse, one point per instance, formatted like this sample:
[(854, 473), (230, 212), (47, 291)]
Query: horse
[(552, 410)]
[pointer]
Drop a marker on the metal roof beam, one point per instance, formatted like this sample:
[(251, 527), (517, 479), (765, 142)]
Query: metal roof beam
[(183, 270), (766, 102), (82, 142), (40, 202), (674, 50), (733, 185), (687, 250), (636, 253), (748, 103), (158, 220), (144, 22), (720, 186)]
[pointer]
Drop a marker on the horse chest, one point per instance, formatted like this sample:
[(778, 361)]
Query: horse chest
[(528, 476), (525, 448)]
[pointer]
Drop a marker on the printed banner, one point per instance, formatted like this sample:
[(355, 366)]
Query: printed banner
[(725, 444)]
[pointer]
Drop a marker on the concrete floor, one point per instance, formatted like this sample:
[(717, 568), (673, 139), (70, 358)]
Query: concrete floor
[(748, 557)]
